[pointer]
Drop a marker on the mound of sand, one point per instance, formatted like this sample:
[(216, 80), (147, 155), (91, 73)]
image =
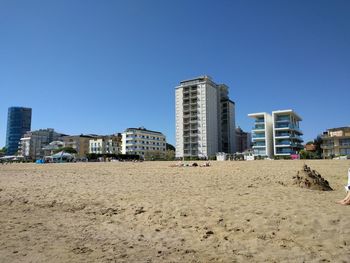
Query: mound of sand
[(311, 179)]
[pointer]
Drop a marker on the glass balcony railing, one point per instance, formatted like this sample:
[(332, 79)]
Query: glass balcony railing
[(282, 125), (284, 151), (286, 125), (259, 144), (259, 120), (259, 152), (258, 135), (282, 119), (283, 143), (282, 134), (258, 127)]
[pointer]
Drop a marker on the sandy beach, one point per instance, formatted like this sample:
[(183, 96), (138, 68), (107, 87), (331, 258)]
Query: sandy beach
[(151, 212)]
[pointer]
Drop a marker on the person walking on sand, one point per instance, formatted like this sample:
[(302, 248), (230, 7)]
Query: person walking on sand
[(346, 200)]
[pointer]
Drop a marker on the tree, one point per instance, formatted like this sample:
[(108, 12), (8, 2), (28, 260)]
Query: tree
[(170, 147), (170, 155), (318, 143), (3, 150), (154, 156)]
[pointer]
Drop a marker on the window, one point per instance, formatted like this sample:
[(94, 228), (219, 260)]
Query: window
[(345, 151), (344, 142)]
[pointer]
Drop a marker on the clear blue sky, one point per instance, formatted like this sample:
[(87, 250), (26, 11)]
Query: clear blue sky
[(103, 66)]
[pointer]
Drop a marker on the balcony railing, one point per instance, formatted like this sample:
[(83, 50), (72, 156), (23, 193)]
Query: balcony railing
[(282, 134), (258, 135), (259, 152), (283, 125), (257, 144), (258, 127)]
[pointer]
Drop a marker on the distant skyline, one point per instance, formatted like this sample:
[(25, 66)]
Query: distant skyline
[(101, 67)]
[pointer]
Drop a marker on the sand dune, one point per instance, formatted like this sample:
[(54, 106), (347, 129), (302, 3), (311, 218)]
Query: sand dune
[(150, 212)]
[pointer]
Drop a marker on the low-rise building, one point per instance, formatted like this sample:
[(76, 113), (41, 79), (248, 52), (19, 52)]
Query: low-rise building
[(32, 143), (311, 147), (52, 147), (109, 144), (335, 142), (243, 140), (79, 142), (143, 142)]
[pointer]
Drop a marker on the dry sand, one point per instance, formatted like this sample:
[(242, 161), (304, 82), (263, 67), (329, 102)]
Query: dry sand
[(150, 212)]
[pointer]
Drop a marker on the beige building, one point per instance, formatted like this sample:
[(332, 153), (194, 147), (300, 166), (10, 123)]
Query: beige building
[(32, 143), (78, 142), (336, 141), (110, 144)]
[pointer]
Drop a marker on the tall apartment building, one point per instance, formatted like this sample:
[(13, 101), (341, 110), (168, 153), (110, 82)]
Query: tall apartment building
[(336, 141), (18, 123), (276, 135), (32, 143), (262, 134), (286, 132), (110, 144), (205, 118), (143, 142)]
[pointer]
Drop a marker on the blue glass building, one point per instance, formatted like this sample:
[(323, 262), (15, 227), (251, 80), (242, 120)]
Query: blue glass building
[(18, 123)]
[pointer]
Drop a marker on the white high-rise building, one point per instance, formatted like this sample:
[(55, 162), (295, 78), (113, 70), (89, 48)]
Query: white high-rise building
[(286, 132), (276, 135), (262, 134), (205, 118)]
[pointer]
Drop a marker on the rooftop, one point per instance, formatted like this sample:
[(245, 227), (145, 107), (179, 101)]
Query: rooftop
[(141, 129), (288, 111)]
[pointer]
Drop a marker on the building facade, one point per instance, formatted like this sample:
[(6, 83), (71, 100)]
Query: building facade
[(143, 142), (262, 134), (205, 118), (110, 144), (336, 142), (243, 140), (32, 143), (286, 133), (80, 143), (276, 135), (18, 123)]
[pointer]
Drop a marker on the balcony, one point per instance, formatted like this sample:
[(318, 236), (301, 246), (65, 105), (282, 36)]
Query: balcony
[(261, 152), (258, 127), (258, 135), (283, 125), (282, 135), (280, 120), (284, 152), (262, 145), (296, 137), (260, 121), (283, 143), (327, 146)]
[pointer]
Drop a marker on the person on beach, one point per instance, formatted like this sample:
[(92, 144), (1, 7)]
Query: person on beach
[(346, 200)]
